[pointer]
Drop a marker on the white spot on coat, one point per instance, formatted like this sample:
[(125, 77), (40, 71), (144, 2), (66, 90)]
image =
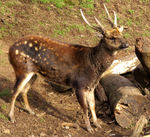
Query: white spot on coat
[(17, 52), (30, 45)]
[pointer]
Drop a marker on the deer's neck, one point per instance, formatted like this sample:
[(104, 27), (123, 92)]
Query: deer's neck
[(101, 57)]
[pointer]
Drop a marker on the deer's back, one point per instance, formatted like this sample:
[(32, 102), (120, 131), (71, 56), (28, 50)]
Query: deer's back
[(55, 60)]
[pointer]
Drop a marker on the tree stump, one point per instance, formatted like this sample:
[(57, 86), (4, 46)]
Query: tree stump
[(126, 101), (142, 50)]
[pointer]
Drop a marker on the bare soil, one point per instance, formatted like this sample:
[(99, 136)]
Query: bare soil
[(58, 114)]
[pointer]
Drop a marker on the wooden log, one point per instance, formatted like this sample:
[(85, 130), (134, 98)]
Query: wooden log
[(141, 76), (139, 126), (119, 66), (126, 101), (123, 65), (101, 94), (142, 50)]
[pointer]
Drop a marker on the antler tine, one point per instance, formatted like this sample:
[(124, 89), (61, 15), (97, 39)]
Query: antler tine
[(115, 20), (109, 17), (93, 27), (101, 26)]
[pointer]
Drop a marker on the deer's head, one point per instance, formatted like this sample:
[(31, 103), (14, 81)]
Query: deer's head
[(113, 37)]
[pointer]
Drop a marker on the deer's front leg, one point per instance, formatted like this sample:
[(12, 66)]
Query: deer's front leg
[(81, 96)]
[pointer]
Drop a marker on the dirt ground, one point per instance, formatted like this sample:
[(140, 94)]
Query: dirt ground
[(58, 114)]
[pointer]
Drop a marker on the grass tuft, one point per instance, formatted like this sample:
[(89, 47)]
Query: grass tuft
[(2, 116), (3, 107), (4, 93), (63, 3)]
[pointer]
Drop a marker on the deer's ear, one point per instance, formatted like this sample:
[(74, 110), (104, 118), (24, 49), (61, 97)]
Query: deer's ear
[(121, 29)]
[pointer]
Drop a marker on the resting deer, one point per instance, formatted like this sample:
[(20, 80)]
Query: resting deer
[(77, 66)]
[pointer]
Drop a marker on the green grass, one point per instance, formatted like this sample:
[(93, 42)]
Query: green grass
[(42, 119), (0, 3), (129, 22), (10, 3), (2, 116), (4, 93), (1, 52), (66, 30), (42, 23), (48, 8), (146, 33), (3, 10), (87, 4), (131, 11), (63, 3), (145, 1), (137, 22), (127, 35), (57, 3), (3, 107), (2, 29), (41, 1)]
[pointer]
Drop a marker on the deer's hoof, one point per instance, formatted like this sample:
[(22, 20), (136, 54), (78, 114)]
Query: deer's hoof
[(97, 124), (12, 119), (31, 112), (90, 129)]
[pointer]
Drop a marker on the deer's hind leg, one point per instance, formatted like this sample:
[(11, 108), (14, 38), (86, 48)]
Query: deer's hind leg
[(21, 82), (24, 94)]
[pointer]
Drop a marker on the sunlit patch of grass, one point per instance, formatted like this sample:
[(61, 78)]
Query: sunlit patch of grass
[(42, 119), (11, 3), (42, 1), (3, 10), (57, 3), (87, 4), (48, 8), (146, 33), (78, 27), (127, 35), (131, 11), (1, 52), (42, 23), (129, 22), (2, 116), (66, 30), (63, 3), (145, 1), (3, 106)]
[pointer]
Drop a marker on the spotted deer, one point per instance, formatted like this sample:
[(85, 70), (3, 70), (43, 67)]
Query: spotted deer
[(77, 66)]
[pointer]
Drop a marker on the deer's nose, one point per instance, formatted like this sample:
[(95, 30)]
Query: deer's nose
[(124, 45)]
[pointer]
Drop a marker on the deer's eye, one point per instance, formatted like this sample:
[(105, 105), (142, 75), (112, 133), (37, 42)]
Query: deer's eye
[(112, 38)]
